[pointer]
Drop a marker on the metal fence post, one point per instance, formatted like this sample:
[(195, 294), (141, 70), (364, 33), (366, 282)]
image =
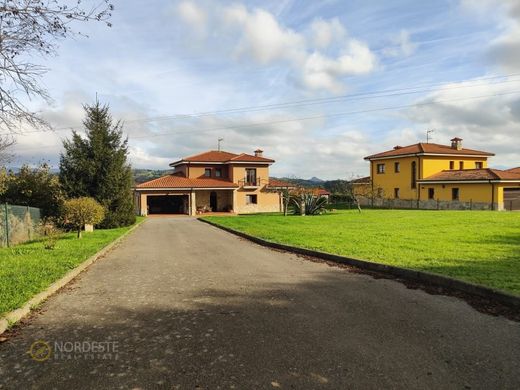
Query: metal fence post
[(6, 225)]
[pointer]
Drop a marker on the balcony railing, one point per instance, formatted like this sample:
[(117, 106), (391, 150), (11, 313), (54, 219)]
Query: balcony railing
[(248, 183)]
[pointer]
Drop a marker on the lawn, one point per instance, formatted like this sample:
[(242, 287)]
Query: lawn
[(27, 269), (477, 246)]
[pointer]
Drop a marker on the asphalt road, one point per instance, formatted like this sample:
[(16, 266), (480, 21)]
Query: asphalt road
[(181, 304)]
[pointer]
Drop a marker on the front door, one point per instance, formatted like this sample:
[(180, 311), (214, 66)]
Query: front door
[(213, 201)]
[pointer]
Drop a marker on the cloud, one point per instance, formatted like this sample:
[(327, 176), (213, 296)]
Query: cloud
[(491, 123), (255, 35), (504, 49), (401, 45), (325, 32)]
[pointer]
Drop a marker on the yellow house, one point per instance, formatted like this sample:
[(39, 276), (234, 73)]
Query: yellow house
[(214, 181), (431, 174)]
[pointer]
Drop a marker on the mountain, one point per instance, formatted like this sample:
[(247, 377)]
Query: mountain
[(142, 175), (315, 179)]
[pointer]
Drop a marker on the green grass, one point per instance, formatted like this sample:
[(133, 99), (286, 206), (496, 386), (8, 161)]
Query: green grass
[(27, 269), (477, 246)]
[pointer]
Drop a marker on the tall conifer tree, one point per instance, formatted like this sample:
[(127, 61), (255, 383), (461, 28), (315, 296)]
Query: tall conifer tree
[(97, 166)]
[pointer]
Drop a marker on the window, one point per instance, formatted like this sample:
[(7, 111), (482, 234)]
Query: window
[(478, 165), (414, 174), (452, 165), (207, 172), (251, 176), (218, 172), (380, 168), (251, 199), (396, 193), (461, 165), (455, 194), (431, 193), (397, 167)]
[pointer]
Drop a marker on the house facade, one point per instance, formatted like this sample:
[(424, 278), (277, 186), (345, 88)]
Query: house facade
[(213, 181), (426, 172)]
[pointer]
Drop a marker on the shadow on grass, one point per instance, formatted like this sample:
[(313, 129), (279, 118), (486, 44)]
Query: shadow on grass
[(308, 335)]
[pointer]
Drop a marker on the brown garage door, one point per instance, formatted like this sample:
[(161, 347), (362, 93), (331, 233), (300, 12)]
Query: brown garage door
[(512, 198)]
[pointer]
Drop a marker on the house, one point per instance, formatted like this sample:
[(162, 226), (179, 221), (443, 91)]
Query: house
[(214, 181), (427, 172)]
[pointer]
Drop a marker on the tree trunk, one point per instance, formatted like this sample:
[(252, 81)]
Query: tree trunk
[(79, 232)]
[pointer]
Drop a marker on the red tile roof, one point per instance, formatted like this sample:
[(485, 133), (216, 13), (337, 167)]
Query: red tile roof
[(171, 181), (280, 183), (514, 170), (473, 174), (429, 148), (216, 156)]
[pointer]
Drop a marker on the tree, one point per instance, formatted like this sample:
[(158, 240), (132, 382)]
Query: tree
[(30, 29), (81, 211), (35, 187), (97, 166)]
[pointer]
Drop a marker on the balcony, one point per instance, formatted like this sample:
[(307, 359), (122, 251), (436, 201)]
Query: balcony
[(250, 183)]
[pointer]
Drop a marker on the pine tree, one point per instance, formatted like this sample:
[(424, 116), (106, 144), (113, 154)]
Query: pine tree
[(97, 166)]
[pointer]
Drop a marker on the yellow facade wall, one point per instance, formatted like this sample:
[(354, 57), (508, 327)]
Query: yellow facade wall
[(468, 192), (434, 164), (425, 166), (391, 179)]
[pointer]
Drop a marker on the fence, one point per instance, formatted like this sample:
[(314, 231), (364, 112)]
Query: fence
[(18, 224), (415, 204)]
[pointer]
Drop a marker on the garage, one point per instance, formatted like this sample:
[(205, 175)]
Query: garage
[(512, 198), (167, 204)]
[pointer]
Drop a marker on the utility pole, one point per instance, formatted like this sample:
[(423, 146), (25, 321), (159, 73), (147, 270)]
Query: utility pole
[(219, 141), (428, 137)]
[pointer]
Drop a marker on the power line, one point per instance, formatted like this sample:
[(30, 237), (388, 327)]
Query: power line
[(305, 102), (340, 114)]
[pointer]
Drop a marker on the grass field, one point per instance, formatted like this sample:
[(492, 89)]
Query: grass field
[(480, 247), (27, 269)]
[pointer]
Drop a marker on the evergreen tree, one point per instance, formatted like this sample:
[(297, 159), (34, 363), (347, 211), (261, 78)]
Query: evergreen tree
[(96, 166)]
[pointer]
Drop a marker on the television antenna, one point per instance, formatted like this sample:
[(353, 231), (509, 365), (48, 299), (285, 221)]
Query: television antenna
[(219, 141), (428, 136)]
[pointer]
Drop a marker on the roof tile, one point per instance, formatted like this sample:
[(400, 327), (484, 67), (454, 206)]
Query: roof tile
[(427, 148), (172, 181)]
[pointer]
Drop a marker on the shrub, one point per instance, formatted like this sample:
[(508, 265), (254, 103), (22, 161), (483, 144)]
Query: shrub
[(311, 204), (50, 233), (80, 211)]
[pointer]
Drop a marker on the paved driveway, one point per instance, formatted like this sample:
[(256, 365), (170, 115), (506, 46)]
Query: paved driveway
[(185, 305)]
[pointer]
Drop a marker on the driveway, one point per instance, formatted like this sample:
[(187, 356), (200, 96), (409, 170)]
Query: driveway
[(181, 304)]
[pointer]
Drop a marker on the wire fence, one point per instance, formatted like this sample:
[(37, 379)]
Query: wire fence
[(18, 224), (416, 204)]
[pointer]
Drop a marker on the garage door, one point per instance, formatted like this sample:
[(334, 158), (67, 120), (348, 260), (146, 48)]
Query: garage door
[(512, 198), (167, 204)]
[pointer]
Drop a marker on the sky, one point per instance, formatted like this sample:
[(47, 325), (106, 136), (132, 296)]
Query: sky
[(316, 85)]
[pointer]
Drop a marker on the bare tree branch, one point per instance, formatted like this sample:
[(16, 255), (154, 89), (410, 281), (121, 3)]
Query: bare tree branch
[(29, 27)]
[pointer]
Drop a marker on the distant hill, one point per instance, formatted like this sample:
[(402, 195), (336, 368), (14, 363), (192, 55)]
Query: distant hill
[(142, 175), (333, 186), (315, 179)]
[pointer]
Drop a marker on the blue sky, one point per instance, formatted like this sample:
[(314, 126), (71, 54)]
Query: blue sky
[(162, 65)]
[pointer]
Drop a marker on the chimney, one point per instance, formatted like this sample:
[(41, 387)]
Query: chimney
[(397, 147), (259, 152), (456, 143)]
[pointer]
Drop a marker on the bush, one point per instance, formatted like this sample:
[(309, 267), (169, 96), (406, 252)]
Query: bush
[(81, 211), (50, 233)]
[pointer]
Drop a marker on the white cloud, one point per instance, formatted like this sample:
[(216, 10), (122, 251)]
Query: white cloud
[(325, 32), (257, 36), (261, 36), (491, 123), (504, 49), (401, 45), (194, 15)]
